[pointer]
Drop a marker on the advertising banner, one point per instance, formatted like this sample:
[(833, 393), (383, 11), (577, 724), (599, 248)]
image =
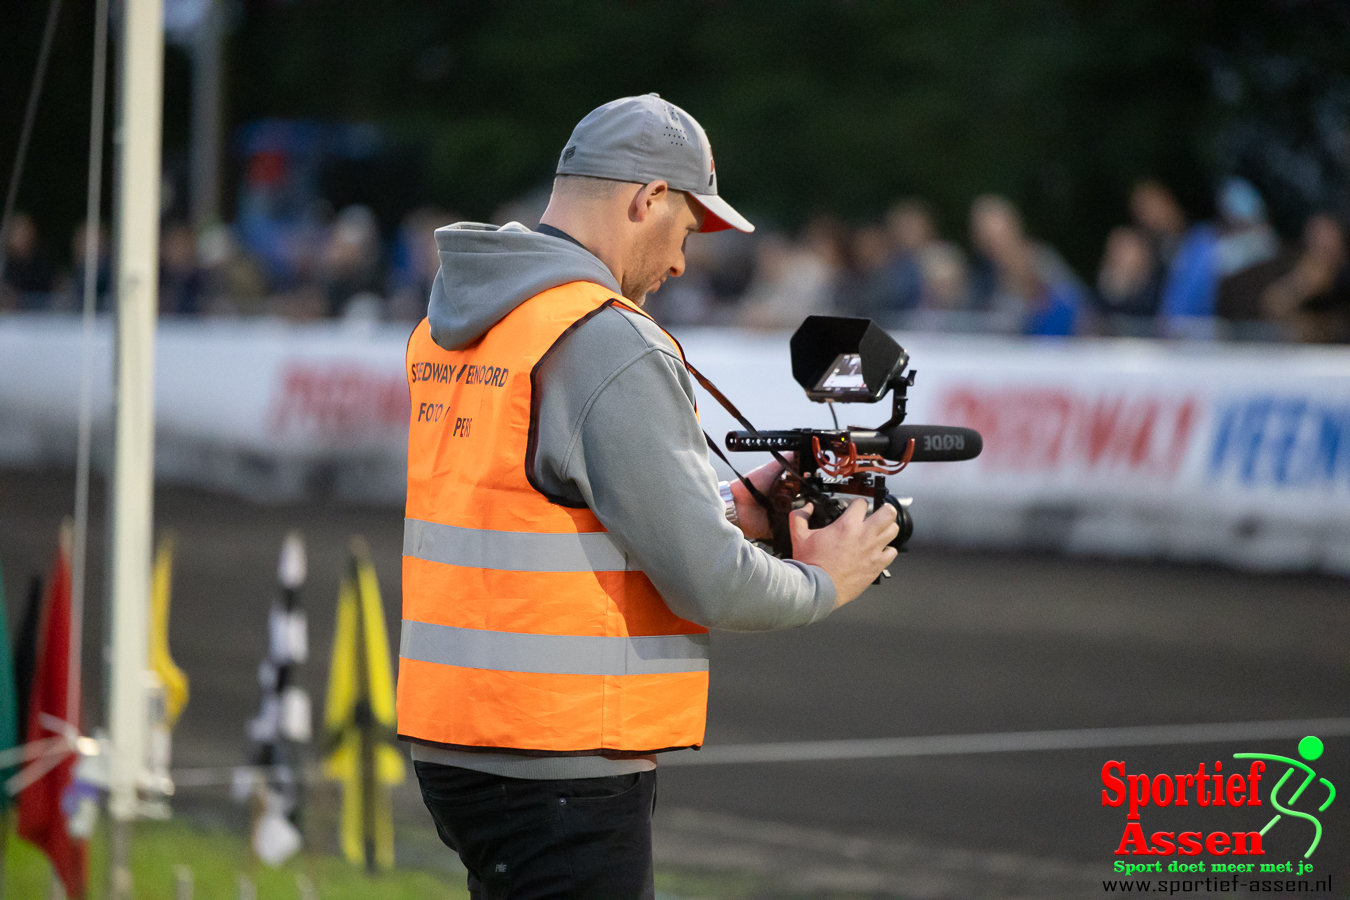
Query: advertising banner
[(1231, 453)]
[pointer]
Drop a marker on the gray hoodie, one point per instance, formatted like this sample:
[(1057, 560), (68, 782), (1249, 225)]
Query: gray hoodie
[(618, 432)]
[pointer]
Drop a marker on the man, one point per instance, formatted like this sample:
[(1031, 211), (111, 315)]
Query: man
[(567, 544)]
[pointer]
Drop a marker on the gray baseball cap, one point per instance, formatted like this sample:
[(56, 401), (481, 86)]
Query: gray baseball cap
[(645, 139)]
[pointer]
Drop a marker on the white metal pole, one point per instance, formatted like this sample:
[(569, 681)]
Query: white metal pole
[(142, 75)]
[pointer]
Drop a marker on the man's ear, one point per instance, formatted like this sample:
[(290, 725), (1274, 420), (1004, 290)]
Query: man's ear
[(646, 200)]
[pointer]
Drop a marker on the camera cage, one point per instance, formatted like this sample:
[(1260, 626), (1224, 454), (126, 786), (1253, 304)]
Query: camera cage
[(841, 359)]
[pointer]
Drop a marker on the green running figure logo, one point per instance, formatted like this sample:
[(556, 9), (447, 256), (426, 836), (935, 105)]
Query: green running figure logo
[(1310, 748)]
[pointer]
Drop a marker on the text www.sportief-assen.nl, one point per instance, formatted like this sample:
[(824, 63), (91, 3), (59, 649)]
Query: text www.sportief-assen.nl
[(1209, 885)]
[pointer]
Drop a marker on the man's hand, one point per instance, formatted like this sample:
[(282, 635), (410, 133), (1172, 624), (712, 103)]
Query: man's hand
[(853, 549), (753, 519)]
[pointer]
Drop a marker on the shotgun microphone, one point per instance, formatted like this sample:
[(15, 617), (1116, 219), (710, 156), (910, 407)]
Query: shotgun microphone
[(932, 443)]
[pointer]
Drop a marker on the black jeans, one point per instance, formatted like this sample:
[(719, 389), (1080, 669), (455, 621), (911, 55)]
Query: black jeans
[(525, 839)]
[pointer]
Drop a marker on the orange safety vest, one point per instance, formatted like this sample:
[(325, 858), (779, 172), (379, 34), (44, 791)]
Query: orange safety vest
[(525, 627)]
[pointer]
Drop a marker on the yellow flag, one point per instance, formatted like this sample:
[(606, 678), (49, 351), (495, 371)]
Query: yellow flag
[(174, 680), (359, 723)]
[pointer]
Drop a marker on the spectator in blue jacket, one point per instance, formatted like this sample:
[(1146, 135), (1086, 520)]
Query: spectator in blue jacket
[(1208, 255), (1192, 279)]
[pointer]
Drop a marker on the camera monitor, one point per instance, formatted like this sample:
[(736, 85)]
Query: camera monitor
[(844, 359)]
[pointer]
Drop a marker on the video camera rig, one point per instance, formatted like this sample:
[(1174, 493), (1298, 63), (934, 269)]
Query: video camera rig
[(848, 360)]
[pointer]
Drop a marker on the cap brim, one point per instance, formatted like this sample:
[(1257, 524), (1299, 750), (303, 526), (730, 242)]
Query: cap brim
[(720, 216)]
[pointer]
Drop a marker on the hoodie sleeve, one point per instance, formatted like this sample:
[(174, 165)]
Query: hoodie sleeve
[(617, 430)]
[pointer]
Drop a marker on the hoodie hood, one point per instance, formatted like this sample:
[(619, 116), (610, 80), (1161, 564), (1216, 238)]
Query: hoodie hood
[(487, 271)]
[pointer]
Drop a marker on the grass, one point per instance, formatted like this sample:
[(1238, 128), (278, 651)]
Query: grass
[(217, 859)]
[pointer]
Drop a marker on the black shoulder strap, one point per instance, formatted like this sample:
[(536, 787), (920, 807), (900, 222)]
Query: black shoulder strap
[(730, 407)]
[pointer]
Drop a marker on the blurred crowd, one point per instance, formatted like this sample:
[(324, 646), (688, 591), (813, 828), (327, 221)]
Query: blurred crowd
[(1199, 278), (1159, 275), (342, 268)]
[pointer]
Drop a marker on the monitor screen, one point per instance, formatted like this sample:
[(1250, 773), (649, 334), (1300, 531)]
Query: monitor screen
[(844, 376)]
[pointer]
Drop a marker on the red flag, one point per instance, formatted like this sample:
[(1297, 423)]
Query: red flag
[(40, 817)]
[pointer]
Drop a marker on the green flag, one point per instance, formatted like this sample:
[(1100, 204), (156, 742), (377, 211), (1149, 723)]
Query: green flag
[(9, 703)]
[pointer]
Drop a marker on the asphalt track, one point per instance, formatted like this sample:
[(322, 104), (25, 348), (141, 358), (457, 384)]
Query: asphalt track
[(956, 644)]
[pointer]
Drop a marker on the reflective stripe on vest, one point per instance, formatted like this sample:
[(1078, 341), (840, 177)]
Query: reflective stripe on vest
[(513, 551), (525, 626), (556, 654)]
